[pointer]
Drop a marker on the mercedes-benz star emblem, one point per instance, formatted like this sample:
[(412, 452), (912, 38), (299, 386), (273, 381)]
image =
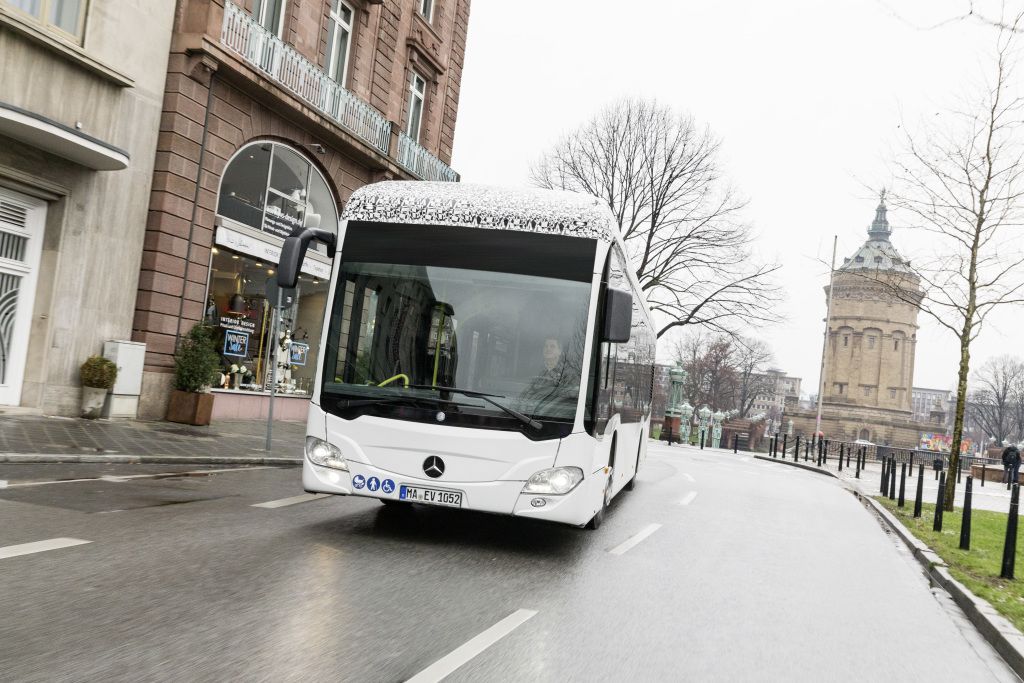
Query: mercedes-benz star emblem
[(433, 467)]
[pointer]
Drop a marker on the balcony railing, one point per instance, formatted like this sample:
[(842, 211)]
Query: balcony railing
[(422, 163), (265, 51)]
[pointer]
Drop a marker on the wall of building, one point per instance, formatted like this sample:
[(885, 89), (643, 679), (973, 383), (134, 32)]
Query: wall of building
[(111, 88)]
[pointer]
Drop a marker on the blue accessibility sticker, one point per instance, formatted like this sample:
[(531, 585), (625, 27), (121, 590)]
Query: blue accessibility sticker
[(359, 481), (387, 486), (373, 483)]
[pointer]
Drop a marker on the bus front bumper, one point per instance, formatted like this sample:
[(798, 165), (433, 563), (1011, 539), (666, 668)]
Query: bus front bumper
[(500, 497)]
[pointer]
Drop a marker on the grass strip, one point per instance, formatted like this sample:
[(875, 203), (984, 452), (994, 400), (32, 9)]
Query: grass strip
[(977, 568)]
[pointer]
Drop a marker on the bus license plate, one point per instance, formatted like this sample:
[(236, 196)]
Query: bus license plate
[(416, 494)]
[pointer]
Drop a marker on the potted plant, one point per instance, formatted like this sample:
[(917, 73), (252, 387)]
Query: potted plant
[(98, 376), (195, 367)]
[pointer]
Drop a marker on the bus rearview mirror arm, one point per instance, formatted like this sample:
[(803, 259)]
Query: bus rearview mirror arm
[(294, 251), (618, 316)]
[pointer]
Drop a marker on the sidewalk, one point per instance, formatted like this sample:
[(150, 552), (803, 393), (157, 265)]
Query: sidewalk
[(33, 438)]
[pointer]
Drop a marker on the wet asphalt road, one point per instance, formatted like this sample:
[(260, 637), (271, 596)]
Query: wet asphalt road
[(748, 571)]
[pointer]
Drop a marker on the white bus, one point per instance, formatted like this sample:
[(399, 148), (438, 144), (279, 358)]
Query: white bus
[(483, 348)]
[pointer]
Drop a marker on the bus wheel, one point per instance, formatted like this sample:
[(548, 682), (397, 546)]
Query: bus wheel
[(606, 497), (631, 484)]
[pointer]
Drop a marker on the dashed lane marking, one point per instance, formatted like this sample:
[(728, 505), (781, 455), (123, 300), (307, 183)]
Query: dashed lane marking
[(39, 546), (294, 500), (634, 539), (464, 653), (689, 498), (126, 477), (689, 477)]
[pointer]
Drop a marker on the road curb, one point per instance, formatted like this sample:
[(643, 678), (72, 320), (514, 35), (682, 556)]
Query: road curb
[(809, 468), (994, 627), (48, 458)]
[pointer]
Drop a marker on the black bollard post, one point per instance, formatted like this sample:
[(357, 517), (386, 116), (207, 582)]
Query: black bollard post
[(807, 450), (824, 454), (735, 443), (903, 483), (984, 472), (959, 469), (910, 467), (819, 452), (920, 490), (849, 452), (965, 523), (885, 482), (892, 479), (937, 524), (796, 449), (785, 438), (1010, 544), (841, 445), (702, 440), (857, 474)]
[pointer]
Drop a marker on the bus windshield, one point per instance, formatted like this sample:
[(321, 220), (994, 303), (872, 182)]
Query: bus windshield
[(487, 311)]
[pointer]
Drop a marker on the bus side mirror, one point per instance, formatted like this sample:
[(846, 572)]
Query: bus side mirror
[(618, 316), (294, 251)]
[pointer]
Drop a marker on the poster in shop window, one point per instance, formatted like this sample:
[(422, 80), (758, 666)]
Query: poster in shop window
[(299, 353), (236, 343)]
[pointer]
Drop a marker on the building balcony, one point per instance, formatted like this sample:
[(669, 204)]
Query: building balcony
[(272, 58)]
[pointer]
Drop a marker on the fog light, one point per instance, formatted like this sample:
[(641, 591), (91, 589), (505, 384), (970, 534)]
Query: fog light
[(538, 502)]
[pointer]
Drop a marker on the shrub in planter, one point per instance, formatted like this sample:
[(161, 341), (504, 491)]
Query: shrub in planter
[(98, 376), (195, 366)]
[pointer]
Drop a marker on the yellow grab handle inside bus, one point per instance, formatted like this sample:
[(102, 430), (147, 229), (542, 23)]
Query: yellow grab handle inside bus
[(401, 376)]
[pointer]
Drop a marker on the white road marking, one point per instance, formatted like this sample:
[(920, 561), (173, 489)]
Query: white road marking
[(125, 477), (39, 546), (294, 500), (689, 498), (634, 539), (689, 477), (746, 459), (464, 653), (3, 483)]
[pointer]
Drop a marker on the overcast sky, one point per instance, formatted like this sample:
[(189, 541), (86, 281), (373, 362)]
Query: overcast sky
[(807, 96)]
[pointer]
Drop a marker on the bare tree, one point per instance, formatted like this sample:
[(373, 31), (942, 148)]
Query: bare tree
[(660, 175), (753, 356), (711, 374), (996, 386), (964, 183)]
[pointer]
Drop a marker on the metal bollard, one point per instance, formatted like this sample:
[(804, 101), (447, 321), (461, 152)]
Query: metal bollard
[(959, 468), (903, 483), (807, 450), (937, 524), (841, 445), (920, 490), (857, 474), (848, 452), (796, 449), (885, 481), (965, 523), (1010, 544), (892, 479), (910, 467), (819, 452), (984, 472), (824, 454), (735, 443), (785, 438), (702, 440)]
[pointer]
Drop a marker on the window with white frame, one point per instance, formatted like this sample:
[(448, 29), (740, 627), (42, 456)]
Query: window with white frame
[(270, 15), (66, 16), (417, 93), (339, 38), (427, 9)]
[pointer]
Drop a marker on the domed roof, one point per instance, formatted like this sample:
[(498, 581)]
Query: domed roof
[(878, 253)]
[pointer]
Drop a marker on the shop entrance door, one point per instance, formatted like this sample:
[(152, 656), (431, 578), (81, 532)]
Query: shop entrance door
[(21, 241)]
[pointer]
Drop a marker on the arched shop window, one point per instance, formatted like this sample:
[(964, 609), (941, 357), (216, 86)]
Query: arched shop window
[(272, 187)]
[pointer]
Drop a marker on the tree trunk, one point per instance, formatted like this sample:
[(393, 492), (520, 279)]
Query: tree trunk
[(958, 420)]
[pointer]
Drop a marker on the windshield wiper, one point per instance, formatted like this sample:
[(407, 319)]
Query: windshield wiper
[(359, 403), (486, 397)]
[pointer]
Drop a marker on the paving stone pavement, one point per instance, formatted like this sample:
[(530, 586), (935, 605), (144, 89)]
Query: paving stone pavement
[(32, 434)]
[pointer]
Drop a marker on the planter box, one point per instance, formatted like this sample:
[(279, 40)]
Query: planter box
[(187, 407)]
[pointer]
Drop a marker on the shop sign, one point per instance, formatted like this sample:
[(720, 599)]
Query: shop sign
[(299, 353), (279, 223), (238, 241), (236, 343), (246, 325)]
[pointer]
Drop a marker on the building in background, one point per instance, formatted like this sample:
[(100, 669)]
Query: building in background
[(870, 348), (275, 111), (777, 393), (928, 404), (81, 94)]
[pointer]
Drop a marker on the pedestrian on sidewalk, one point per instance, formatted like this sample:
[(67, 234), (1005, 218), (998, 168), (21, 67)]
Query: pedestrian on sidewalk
[(1014, 464), (1006, 464)]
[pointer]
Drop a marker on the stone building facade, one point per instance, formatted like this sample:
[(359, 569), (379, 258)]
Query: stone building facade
[(81, 95), (871, 346), (275, 111)]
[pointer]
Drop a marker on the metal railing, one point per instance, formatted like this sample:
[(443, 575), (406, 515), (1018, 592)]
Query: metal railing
[(422, 163), (281, 63)]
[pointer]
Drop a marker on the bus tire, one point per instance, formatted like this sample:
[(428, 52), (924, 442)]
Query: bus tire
[(631, 484), (598, 518)]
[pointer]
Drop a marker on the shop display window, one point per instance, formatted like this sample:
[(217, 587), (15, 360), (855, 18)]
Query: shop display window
[(238, 307)]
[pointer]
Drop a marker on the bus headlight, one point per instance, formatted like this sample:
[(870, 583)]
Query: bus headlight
[(320, 452), (554, 481)]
